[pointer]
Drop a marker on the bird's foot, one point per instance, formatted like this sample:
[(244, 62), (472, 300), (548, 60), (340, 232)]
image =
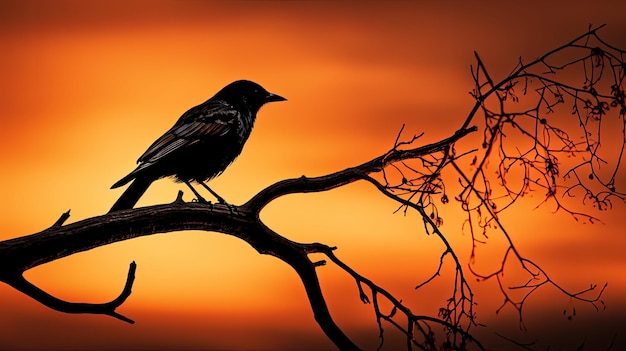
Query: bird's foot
[(200, 199), (221, 200), (231, 208)]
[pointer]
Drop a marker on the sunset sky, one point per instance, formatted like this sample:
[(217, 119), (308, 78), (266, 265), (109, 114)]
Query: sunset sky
[(88, 85)]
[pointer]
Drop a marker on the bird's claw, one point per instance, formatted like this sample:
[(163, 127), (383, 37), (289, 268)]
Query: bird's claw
[(231, 208), (221, 200), (202, 200)]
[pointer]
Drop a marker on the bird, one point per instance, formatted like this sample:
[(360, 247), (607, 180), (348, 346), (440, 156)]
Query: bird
[(202, 143)]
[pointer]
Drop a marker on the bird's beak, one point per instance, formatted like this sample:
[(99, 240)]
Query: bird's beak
[(273, 97)]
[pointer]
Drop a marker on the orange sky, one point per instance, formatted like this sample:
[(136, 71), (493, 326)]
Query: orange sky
[(87, 86)]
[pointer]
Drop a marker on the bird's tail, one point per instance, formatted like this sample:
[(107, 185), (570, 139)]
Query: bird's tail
[(132, 194)]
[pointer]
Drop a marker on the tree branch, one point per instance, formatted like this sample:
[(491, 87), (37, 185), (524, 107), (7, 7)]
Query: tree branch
[(24, 286), (23, 253), (349, 175)]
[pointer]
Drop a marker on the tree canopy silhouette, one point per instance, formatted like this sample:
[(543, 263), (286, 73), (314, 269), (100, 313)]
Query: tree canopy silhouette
[(554, 126)]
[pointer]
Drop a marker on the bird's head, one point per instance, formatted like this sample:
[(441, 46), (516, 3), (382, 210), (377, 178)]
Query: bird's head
[(248, 94)]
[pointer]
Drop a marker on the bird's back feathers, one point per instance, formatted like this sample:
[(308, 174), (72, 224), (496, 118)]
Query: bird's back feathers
[(210, 119)]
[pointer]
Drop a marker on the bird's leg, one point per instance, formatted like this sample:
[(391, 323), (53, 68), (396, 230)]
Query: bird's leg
[(198, 196), (219, 198)]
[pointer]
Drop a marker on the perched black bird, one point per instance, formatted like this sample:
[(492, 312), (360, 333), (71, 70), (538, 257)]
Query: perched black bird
[(203, 142)]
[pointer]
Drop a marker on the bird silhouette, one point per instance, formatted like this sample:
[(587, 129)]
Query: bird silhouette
[(202, 143)]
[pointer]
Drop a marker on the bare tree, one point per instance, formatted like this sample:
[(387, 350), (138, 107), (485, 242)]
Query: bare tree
[(541, 129)]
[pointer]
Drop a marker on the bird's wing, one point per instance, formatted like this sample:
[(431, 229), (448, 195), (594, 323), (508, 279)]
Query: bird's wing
[(210, 119)]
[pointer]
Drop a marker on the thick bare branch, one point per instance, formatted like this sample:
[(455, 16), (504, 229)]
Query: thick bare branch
[(20, 254)]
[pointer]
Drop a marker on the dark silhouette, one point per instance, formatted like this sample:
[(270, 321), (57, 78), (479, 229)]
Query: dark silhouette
[(204, 141), (516, 150)]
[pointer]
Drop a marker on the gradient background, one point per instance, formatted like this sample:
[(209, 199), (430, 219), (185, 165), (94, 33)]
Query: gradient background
[(87, 86)]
